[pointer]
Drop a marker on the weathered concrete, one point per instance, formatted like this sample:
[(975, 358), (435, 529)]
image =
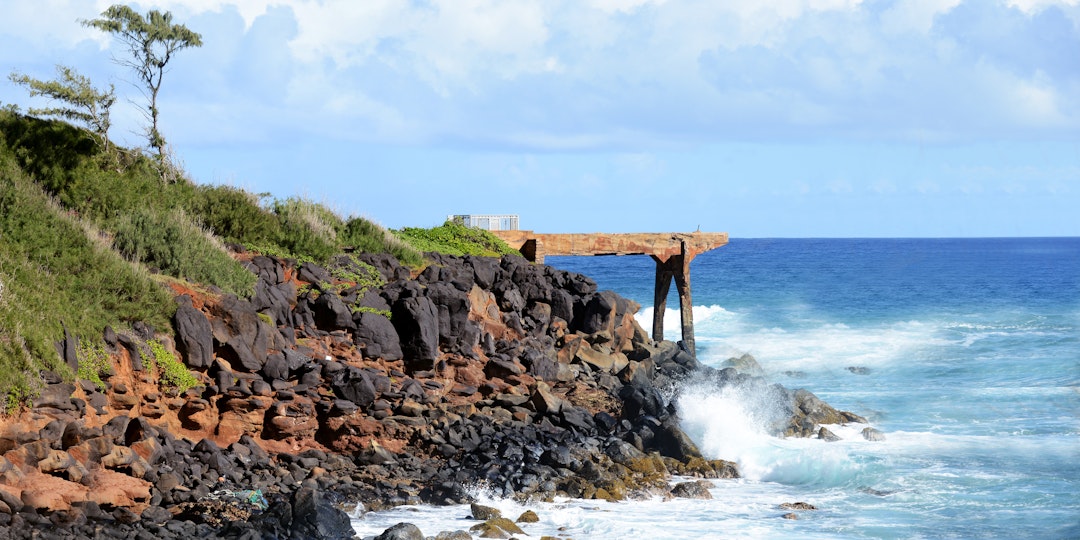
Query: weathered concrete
[(672, 252)]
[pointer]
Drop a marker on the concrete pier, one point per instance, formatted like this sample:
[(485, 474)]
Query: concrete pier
[(672, 252)]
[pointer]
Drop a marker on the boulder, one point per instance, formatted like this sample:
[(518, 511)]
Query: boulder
[(692, 490), (313, 273), (315, 518), (237, 324), (484, 513), (456, 332), (499, 527), (331, 313), (387, 265), (417, 323), (401, 531), (672, 441), (598, 314), (377, 337), (274, 300), (485, 270), (354, 385), (194, 335), (268, 269), (872, 434), (744, 364)]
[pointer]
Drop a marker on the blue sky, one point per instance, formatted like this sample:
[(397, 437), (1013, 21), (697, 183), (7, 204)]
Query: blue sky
[(766, 118)]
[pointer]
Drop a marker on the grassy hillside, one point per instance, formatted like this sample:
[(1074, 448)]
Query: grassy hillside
[(82, 231)]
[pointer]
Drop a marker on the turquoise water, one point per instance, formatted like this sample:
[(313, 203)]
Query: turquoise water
[(965, 352)]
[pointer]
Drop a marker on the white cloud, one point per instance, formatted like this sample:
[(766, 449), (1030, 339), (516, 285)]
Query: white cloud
[(915, 15), (1032, 6), (628, 75), (48, 24)]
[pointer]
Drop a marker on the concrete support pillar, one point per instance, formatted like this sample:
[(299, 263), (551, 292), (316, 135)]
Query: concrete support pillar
[(660, 294), (677, 267)]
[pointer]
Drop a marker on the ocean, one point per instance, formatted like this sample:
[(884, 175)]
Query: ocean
[(964, 352)]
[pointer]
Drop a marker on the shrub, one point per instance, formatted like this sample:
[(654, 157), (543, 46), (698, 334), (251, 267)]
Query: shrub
[(308, 229), (180, 248), (366, 236), (235, 215)]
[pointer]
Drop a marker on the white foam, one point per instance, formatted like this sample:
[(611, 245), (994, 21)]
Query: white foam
[(807, 347), (703, 317), (733, 424)]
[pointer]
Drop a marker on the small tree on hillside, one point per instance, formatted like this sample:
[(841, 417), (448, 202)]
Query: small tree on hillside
[(84, 104), (152, 41)]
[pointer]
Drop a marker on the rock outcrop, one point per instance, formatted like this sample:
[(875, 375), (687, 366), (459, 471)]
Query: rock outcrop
[(319, 392)]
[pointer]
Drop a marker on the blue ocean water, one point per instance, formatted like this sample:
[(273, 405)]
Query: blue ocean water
[(964, 352)]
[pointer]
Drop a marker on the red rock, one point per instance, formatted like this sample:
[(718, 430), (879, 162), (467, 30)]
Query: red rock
[(51, 493), (118, 490)]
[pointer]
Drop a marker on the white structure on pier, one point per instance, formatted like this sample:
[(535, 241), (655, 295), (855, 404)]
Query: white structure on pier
[(488, 222)]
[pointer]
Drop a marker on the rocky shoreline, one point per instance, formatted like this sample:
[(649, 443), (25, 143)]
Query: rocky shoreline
[(356, 387)]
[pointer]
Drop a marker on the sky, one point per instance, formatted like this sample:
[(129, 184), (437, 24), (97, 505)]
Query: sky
[(764, 118)]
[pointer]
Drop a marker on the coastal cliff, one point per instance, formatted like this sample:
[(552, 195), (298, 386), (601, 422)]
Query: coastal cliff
[(359, 384)]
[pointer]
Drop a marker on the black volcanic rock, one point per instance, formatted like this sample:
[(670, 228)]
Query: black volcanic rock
[(417, 322), (194, 335)]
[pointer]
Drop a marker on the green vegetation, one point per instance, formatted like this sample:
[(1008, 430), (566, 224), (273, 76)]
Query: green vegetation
[(52, 270), (93, 362), (454, 238), (84, 225), (364, 235), (351, 269), (173, 375), (84, 104), (175, 244)]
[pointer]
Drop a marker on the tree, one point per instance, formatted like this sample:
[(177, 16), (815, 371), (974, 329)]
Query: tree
[(85, 104), (151, 41)]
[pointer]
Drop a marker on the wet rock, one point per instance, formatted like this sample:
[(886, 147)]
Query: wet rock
[(745, 364), (692, 490), (484, 513), (401, 531), (316, 518), (797, 506), (499, 527), (827, 436), (872, 434), (528, 516), (453, 535)]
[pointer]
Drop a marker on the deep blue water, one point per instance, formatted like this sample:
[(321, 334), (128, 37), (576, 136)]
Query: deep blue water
[(967, 354), (964, 352)]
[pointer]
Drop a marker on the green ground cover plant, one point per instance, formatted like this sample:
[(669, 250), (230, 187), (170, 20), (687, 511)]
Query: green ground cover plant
[(173, 375), (454, 238)]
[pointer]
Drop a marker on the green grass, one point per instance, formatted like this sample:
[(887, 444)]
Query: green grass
[(54, 276), (177, 246)]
